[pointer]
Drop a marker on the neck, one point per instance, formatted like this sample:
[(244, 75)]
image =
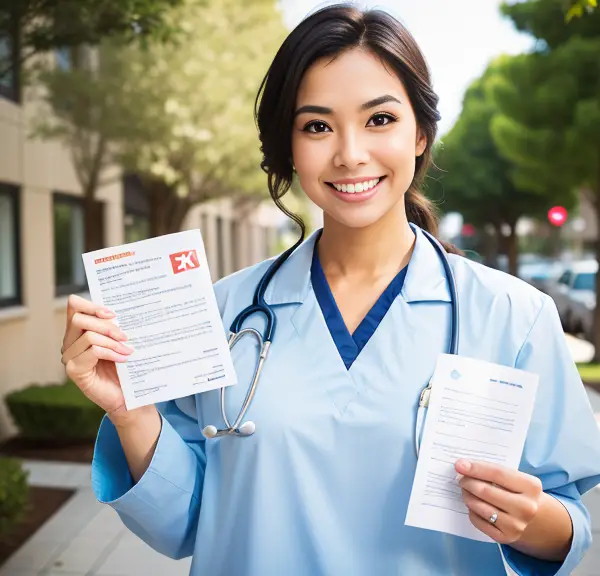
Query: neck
[(373, 251)]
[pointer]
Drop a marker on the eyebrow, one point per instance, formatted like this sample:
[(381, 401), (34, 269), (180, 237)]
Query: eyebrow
[(311, 109)]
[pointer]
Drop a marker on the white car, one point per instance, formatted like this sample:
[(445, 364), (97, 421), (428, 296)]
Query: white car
[(575, 296)]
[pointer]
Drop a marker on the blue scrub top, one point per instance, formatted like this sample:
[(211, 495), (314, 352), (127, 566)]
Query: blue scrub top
[(322, 486)]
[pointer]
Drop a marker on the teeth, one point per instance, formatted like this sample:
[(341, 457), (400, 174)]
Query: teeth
[(360, 187)]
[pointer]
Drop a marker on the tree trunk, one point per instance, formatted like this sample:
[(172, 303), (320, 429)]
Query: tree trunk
[(490, 248), (93, 223), (512, 249), (596, 328), (167, 209)]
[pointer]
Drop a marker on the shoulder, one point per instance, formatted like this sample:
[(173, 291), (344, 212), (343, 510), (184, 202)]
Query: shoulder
[(497, 293), (237, 289)]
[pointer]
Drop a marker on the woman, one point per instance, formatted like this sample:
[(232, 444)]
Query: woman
[(363, 311)]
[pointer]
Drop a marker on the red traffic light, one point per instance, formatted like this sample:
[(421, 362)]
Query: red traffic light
[(557, 215), (468, 230)]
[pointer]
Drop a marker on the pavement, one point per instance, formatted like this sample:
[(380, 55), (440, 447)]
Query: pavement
[(85, 538)]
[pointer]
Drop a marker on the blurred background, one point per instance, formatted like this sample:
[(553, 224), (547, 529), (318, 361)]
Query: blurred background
[(125, 119)]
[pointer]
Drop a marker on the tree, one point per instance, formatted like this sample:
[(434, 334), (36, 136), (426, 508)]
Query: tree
[(477, 179), (550, 125), (577, 8), (178, 115), (38, 26)]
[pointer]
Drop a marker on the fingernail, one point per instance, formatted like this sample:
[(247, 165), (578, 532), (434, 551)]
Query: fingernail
[(107, 312), (465, 465), (126, 349), (458, 477), (119, 335)]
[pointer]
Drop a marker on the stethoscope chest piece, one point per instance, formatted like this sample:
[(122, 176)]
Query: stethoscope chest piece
[(238, 428)]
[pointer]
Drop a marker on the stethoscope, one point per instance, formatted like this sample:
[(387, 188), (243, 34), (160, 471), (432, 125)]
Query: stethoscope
[(259, 305)]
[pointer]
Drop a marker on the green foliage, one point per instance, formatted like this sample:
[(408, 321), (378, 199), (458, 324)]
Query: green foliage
[(64, 23), (554, 135), (553, 21), (550, 102), (478, 180), (578, 7), (54, 412), (13, 494), (180, 115)]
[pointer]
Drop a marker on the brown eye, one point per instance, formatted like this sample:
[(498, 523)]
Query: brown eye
[(316, 127), (381, 120)]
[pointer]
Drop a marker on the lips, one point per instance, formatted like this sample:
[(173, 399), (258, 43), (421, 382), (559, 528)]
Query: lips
[(355, 185), (350, 194)]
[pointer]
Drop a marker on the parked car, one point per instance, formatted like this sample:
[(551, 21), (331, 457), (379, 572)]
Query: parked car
[(542, 274), (539, 271), (575, 296)]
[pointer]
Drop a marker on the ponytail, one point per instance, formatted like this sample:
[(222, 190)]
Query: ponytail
[(422, 212)]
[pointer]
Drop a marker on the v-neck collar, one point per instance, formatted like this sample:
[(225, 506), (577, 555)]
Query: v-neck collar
[(350, 345), (425, 278)]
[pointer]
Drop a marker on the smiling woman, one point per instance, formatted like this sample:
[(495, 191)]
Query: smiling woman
[(363, 308)]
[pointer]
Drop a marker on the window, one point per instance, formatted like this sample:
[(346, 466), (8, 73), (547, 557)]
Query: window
[(137, 228), (69, 244), (64, 58), (9, 69), (10, 277), (565, 278), (72, 58), (585, 281)]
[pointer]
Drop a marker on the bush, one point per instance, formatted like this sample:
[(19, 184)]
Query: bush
[(54, 412), (13, 494)]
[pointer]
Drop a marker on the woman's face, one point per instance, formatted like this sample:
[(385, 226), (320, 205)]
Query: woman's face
[(355, 138)]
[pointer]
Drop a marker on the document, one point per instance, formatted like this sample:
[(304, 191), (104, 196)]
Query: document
[(478, 411), (161, 292)]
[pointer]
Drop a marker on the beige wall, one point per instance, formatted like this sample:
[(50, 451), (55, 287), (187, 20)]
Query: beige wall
[(31, 334)]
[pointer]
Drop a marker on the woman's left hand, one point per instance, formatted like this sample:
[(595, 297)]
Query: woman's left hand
[(490, 489)]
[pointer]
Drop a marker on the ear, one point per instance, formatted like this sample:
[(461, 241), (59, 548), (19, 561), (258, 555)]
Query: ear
[(421, 143)]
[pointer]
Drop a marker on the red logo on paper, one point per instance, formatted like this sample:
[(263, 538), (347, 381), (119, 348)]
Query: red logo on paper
[(182, 261)]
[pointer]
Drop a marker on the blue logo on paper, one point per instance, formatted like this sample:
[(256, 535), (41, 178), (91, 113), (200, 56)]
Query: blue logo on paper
[(455, 374)]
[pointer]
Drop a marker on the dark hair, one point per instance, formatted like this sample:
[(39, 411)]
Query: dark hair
[(326, 34)]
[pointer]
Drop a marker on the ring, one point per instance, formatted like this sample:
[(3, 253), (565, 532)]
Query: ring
[(493, 518)]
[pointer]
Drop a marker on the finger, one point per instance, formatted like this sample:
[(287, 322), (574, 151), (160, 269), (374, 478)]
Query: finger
[(489, 529), (508, 478), (484, 510), (493, 495), (85, 363), (83, 322), (88, 339), (512, 528), (77, 304)]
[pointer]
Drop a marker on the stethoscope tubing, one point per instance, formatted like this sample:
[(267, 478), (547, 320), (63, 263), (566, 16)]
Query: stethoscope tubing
[(260, 306)]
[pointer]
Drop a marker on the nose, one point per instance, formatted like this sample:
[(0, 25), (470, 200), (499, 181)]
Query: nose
[(351, 151)]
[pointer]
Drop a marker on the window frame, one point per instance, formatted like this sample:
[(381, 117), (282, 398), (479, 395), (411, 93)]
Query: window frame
[(66, 289), (14, 193), (13, 93)]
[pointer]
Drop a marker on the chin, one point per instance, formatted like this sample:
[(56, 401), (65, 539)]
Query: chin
[(355, 219)]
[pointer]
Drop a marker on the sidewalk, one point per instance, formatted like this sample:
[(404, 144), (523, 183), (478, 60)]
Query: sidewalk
[(86, 538)]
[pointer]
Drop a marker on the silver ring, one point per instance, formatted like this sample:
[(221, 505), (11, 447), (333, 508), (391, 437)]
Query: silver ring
[(493, 518)]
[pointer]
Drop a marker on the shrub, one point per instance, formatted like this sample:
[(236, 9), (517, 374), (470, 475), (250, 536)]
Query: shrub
[(54, 412), (13, 494)]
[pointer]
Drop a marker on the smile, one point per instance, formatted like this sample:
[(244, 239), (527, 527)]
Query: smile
[(356, 187)]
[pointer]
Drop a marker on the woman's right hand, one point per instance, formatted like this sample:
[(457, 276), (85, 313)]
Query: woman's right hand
[(91, 346)]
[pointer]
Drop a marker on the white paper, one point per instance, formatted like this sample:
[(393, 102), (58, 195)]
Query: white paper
[(479, 411), (161, 291)]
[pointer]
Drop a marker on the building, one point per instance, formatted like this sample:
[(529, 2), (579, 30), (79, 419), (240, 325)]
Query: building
[(42, 239)]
